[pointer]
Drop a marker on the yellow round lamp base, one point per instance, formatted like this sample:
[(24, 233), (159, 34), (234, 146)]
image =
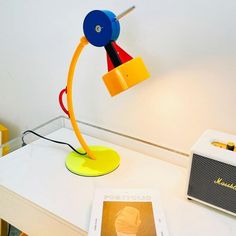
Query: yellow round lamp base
[(107, 160)]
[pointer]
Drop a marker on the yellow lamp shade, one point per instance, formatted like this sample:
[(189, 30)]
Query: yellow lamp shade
[(125, 76)]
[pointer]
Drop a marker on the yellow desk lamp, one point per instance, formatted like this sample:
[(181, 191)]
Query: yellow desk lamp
[(101, 29)]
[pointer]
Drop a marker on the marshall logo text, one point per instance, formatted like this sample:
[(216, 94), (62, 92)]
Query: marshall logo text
[(221, 182)]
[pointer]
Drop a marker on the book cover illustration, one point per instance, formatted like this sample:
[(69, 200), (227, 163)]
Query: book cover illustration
[(131, 212)]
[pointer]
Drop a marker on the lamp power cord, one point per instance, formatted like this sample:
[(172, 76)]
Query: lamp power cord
[(51, 140)]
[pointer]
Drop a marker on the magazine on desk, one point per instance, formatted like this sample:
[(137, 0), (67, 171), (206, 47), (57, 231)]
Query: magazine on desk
[(127, 212)]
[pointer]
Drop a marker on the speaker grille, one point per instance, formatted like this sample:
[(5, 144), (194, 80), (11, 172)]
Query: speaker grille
[(204, 172)]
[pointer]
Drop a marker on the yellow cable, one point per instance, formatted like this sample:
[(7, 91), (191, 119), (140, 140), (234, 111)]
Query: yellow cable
[(83, 42)]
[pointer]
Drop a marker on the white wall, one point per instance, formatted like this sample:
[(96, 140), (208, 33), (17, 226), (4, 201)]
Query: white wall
[(188, 45)]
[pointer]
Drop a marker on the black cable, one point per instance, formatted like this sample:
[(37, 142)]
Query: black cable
[(9, 230), (52, 140)]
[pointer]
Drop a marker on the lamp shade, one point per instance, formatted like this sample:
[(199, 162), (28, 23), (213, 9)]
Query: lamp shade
[(125, 76)]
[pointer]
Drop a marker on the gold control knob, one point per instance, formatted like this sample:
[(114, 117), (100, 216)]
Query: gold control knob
[(230, 146)]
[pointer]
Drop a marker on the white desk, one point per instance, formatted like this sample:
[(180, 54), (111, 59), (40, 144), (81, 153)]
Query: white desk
[(41, 197)]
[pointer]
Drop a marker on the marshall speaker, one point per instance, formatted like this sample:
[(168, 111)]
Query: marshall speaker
[(212, 171)]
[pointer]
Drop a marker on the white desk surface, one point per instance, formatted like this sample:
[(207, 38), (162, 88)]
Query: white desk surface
[(40, 196)]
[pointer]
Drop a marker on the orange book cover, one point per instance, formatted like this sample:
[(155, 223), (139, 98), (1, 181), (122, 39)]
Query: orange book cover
[(127, 212)]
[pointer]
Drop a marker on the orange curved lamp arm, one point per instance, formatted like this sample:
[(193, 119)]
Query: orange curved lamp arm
[(83, 42)]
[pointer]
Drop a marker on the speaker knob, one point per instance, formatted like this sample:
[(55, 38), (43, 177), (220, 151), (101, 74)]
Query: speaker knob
[(230, 146)]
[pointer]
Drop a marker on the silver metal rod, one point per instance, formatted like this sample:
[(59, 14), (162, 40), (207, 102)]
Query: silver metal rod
[(125, 12)]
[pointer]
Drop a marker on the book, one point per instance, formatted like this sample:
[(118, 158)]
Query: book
[(127, 212)]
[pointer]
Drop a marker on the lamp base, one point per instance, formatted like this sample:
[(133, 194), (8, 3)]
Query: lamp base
[(107, 160)]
